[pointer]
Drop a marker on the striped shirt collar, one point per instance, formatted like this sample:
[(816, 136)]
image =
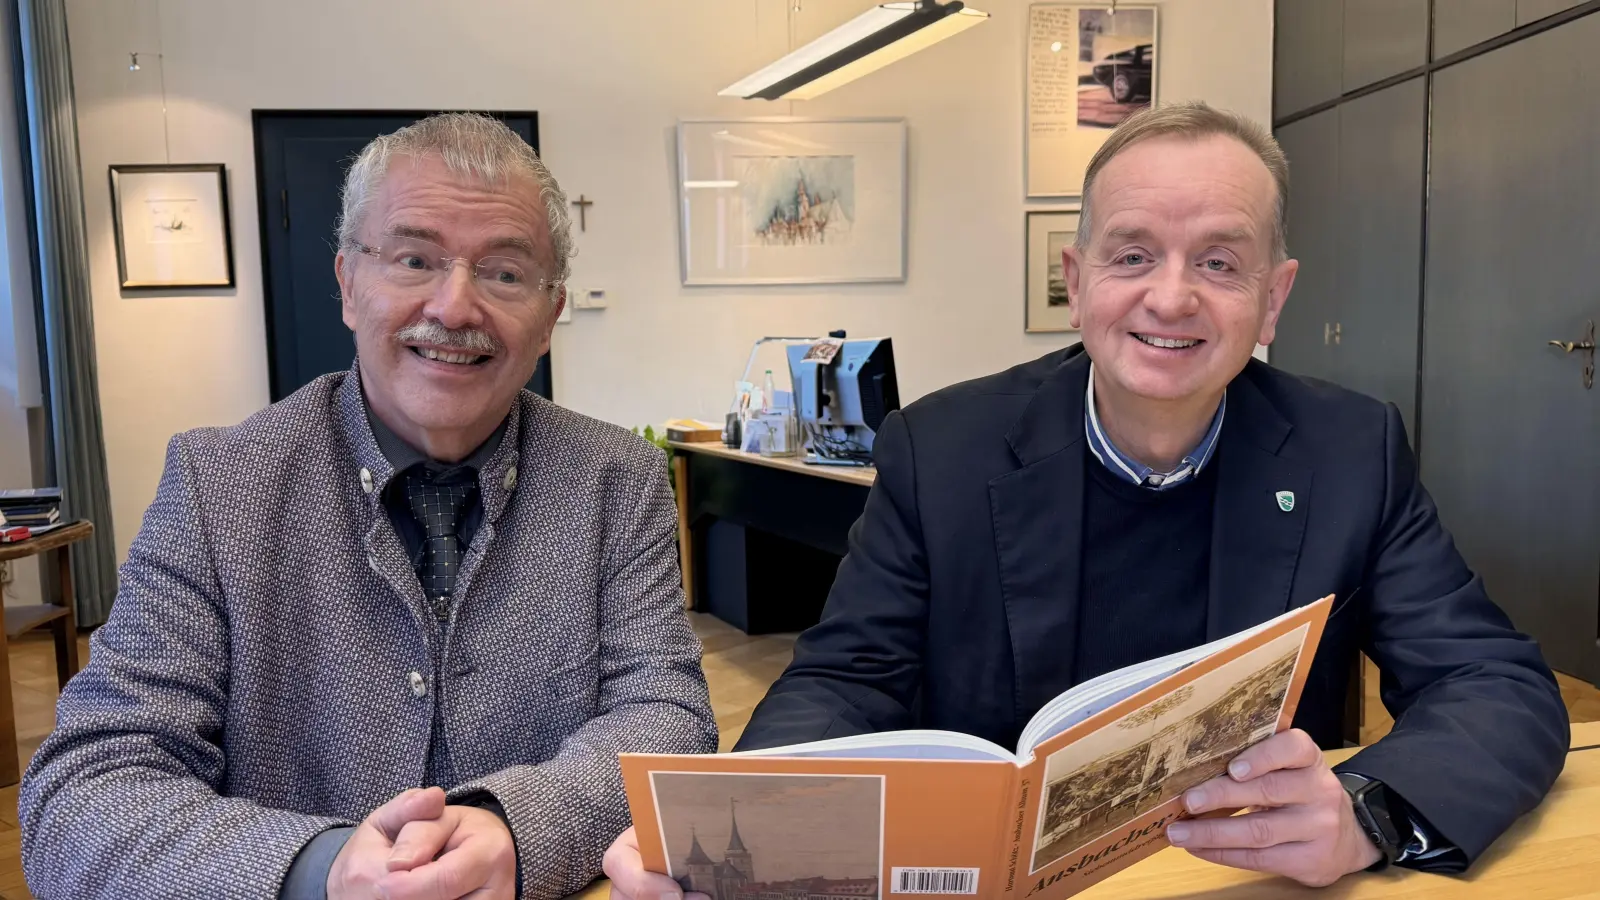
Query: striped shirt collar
[(1135, 472)]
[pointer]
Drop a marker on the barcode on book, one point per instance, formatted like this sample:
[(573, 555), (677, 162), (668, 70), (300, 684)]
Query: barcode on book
[(934, 881)]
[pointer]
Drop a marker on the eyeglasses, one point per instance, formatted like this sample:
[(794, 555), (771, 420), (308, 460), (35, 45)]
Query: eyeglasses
[(416, 265)]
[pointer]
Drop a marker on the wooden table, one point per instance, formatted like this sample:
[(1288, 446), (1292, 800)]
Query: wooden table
[(20, 619), (1553, 853), (764, 498)]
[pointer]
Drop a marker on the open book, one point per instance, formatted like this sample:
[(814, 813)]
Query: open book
[(1094, 780)]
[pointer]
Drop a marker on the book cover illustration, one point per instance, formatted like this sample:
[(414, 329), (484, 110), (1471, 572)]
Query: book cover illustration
[(753, 836), (1126, 782)]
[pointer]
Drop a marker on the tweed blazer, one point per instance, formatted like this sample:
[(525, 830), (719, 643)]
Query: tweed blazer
[(270, 668)]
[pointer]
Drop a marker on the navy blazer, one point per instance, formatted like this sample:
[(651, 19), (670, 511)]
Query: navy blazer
[(956, 607)]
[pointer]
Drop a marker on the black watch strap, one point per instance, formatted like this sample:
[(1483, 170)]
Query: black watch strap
[(1378, 815)]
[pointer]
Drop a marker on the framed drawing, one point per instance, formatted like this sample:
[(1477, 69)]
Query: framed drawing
[(1048, 233), (172, 227), (1088, 69), (792, 201)]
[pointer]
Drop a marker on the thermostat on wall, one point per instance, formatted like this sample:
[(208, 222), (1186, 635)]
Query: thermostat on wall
[(589, 298)]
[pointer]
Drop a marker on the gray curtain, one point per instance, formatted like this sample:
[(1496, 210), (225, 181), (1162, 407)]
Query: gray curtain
[(74, 393)]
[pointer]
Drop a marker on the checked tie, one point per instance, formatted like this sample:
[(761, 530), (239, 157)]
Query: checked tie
[(439, 501)]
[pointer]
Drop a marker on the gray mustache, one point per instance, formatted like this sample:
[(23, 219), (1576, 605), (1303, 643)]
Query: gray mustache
[(469, 339)]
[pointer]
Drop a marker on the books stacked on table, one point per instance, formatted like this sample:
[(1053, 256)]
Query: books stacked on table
[(35, 509)]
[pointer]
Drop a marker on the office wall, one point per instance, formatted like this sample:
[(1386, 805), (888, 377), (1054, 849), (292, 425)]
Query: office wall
[(609, 79)]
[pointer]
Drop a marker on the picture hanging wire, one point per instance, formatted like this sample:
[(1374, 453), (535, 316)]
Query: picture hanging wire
[(794, 7), (161, 71)]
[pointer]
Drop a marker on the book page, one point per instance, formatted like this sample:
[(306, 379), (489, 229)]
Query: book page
[(1099, 796), (911, 744), (736, 827)]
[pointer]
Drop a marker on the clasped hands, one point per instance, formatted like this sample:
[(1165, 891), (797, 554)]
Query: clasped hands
[(1298, 824), (415, 847)]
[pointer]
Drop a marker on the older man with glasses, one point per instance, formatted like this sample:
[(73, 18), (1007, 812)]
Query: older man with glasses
[(386, 637)]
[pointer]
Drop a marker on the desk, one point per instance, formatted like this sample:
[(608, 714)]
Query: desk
[(761, 537), (1551, 854), (19, 619)]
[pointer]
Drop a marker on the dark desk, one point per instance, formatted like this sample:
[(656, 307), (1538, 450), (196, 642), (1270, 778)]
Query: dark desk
[(760, 538)]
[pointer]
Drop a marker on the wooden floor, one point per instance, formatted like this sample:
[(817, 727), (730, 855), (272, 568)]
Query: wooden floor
[(738, 667)]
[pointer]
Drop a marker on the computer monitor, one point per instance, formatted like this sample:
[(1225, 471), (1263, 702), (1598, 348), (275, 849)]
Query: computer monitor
[(841, 402)]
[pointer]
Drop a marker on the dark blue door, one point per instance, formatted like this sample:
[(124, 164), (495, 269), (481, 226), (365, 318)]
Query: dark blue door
[(301, 158)]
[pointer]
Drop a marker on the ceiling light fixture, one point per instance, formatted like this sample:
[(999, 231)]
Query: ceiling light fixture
[(870, 41)]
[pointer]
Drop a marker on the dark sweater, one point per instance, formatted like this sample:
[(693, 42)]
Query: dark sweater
[(1146, 569)]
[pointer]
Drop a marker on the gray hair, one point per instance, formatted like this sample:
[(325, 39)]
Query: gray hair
[(1194, 120), (469, 144)]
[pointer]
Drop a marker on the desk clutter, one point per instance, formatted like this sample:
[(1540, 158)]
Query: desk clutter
[(840, 392), (25, 512)]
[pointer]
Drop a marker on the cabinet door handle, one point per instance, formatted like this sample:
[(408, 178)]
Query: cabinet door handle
[(1584, 346)]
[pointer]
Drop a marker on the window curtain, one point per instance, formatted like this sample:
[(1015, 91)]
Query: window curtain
[(68, 312)]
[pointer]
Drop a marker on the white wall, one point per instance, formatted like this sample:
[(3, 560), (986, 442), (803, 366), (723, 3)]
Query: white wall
[(608, 79)]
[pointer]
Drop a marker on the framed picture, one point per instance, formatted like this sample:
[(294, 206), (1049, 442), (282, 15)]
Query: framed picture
[(792, 201), (172, 227), (1048, 233), (1088, 69)]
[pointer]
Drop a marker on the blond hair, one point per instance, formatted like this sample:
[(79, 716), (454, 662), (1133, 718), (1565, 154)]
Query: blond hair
[(1192, 121), (469, 144)]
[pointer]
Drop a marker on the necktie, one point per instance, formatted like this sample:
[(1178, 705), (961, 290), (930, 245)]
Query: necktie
[(439, 501)]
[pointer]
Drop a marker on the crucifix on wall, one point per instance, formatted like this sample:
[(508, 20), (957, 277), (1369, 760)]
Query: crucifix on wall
[(583, 203)]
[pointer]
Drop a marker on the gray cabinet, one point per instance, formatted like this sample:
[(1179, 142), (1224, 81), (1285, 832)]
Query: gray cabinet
[(1534, 10), (1458, 24), (1446, 228), (1511, 450), (1382, 165), (1308, 50), (1355, 225), (1383, 38), (1304, 339)]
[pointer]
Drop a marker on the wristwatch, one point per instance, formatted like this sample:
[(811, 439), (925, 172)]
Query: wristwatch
[(1381, 816)]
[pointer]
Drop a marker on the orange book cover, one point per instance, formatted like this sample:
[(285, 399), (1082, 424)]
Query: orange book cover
[(1085, 803)]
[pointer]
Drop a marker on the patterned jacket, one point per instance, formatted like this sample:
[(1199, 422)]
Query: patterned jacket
[(266, 672)]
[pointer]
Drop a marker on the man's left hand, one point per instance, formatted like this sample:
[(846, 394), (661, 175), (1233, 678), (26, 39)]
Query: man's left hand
[(465, 852), (1300, 823)]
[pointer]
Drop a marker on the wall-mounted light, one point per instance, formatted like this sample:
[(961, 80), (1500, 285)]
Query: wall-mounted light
[(870, 41), (133, 62)]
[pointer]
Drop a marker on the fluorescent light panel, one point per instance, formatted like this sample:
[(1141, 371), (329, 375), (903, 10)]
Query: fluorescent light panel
[(948, 26), (870, 41)]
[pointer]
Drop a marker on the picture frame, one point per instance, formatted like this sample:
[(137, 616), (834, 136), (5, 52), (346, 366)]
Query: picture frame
[(762, 200), (172, 226), (1045, 308), (1087, 68)]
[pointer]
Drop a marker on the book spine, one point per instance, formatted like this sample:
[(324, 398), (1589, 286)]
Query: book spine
[(1012, 828)]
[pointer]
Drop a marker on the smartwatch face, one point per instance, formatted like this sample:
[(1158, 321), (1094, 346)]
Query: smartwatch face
[(1371, 805)]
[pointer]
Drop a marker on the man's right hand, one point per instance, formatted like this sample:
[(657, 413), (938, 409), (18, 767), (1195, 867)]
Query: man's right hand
[(629, 880), (365, 857)]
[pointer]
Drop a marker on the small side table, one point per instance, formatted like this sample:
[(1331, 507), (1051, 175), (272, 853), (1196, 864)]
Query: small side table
[(59, 616)]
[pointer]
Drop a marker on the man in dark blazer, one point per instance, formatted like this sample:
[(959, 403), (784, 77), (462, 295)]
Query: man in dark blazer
[(1155, 488)]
